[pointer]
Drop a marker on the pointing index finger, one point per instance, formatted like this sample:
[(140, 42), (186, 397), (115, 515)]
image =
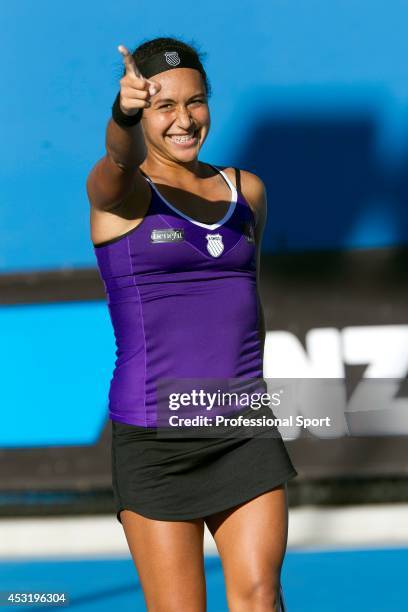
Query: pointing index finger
[(129, 61)]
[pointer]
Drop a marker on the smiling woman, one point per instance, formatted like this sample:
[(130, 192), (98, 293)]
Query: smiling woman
[(152, 60), (177, 242), (184, 90)]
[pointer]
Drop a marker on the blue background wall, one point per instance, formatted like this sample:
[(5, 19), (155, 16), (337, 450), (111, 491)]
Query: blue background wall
[(56, 365), (311, 95)]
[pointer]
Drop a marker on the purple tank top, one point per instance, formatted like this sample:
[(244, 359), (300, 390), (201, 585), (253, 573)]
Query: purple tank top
[(182, 300)]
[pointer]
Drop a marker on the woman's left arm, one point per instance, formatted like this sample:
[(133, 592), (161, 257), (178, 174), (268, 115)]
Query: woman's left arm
[(254, 192)]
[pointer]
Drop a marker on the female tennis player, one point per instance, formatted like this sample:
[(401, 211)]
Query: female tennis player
[(177, 242)]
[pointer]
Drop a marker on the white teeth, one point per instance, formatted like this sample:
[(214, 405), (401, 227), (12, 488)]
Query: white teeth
[(182, 138)]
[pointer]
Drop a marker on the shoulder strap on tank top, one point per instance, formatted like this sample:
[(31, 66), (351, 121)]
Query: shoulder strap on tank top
[(144, 174), (238, 179)]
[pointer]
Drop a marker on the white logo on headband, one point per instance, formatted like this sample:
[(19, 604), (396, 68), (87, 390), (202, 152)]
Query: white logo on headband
[(172, 58)]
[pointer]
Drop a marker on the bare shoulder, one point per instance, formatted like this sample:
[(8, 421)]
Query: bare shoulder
[(253, 189), (109, 222)]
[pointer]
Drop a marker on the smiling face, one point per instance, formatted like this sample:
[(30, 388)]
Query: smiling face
[(178, 120)]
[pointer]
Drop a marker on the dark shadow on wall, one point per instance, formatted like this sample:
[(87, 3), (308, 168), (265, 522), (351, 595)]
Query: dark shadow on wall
[(324, 177)]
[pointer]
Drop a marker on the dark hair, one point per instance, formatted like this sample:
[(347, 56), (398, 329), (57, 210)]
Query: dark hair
[(155, 45)]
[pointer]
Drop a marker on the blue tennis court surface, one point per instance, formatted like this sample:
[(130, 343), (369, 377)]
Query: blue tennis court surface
[(361, 580)]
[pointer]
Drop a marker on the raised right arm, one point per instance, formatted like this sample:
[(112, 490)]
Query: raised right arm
[(116, 174)]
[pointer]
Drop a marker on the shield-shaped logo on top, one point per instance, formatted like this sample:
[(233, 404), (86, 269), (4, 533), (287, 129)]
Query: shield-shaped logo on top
[(172, 58), (215, 245)]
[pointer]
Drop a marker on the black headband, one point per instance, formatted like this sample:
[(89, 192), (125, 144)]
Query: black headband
[(167, 60)]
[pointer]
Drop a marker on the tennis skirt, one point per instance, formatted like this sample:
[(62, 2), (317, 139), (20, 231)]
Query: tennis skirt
[(183, 478)]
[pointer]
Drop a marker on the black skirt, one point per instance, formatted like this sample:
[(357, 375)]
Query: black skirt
[(183, 478)]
